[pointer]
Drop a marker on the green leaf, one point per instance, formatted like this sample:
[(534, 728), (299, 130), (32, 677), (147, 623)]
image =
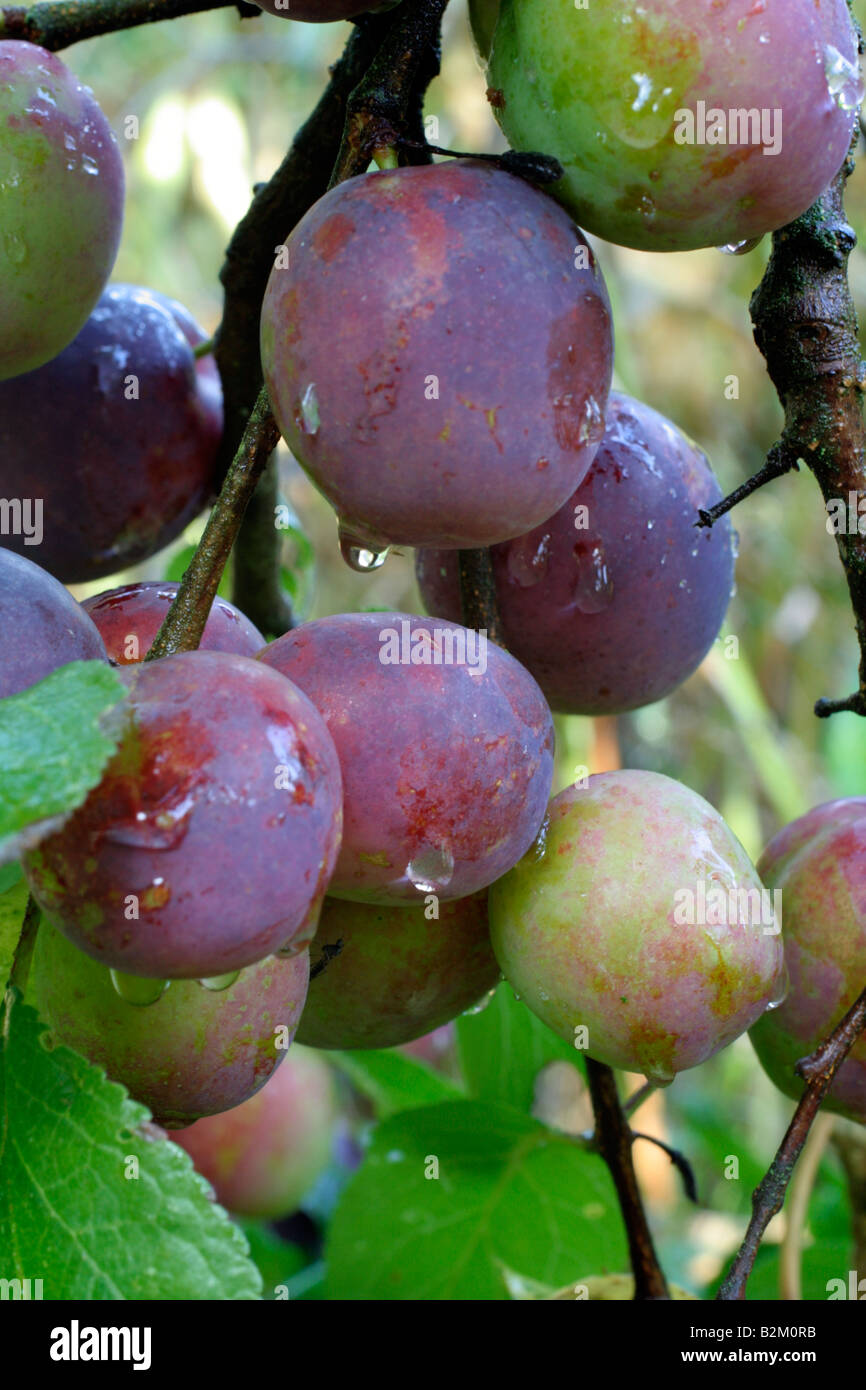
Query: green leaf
[(13, 904), (54, 744), (72, 1211), (392, 1081), (512, 1201), (10, 874), (277, 1260), (504, 1047)]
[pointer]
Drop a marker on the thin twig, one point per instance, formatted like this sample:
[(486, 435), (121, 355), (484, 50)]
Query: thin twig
[(55, 24), (185, 621), (768, 1198), (614, 1139)]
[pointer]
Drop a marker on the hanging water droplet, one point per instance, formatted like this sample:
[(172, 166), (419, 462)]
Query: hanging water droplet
[(432, 869), (844, 82), (307, 416), (358, 554), (134, 989), (89, 165), (740, 248), (661, 1077), (219, 982), (480, 1006), (780, 990), (594, 588), (528, 559)]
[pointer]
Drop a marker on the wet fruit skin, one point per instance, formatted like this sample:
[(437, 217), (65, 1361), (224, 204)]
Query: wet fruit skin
[(128, 619), (601, 89), (41, 625), (818, 863), (585, 932), (220, 813), (617, 613), (61, 206), (118, 436), (262, 1157), (439, 764), (399, 974), (382, 347), (193, 1052)]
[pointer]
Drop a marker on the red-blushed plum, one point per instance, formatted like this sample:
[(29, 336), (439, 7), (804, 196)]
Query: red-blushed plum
[(438, 352), (321, 11), (819, 865), (41, 626), (61, 206), (117, 436), (194, 1051), (400, 973), (616, 599), (678, 126), (638, 917), (129, 618), (209, 382), (262, 1157), (211, 838), (446, 748)]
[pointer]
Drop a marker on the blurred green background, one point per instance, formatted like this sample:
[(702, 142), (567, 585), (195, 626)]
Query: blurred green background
[(205, 107)]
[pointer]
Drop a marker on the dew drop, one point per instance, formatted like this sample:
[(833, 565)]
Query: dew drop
[(844, 82), (528, 559), (780, 990), (89, 165), (307, 416), (482, 1004), (134, 989), (360, 557), (740, 248), (432, 869), (219, 982), (594, 588), (592, 425), (539, 844)]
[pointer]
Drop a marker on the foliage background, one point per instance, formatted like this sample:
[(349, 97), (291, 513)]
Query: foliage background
[(217, 103)]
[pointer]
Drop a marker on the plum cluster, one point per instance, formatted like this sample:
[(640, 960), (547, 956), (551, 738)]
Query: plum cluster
[(372, 790)]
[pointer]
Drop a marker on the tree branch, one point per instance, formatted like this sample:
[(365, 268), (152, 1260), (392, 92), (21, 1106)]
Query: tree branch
[(614, 1139), (56, 24), (768, 1198), (185, 621), (478, 594)]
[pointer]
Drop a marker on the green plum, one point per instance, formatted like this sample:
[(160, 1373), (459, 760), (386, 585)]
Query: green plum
[(401, 972), (637, 927), (483, 15), (679, 126), (193, 1050), (819, 865), (61, 206)]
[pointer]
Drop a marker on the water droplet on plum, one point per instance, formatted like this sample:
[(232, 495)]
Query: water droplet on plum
[(594, 588), (432, 869), (359, 555), (219, 982), (844, 82), (528, 558), (740, 248), (135, 989)]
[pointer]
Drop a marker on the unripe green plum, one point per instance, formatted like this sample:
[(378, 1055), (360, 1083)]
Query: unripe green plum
[(262, 1157), (400, 973), (483, 15), (632, 98), (639, 917), (194, 1051), (61, 206), (819, 865)]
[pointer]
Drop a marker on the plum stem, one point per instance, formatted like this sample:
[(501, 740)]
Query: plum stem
[(185, 621), (818, 1071), (614, 1140), (55, 24)]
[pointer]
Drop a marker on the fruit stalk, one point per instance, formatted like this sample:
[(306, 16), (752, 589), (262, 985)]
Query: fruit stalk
[(56, 24), (818, 1071), (805, 325), (614, 1139), (185, 621)]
